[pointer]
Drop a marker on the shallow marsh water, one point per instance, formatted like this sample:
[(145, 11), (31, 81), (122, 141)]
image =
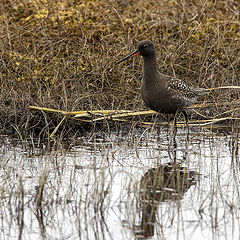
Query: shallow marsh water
[(128, 185)]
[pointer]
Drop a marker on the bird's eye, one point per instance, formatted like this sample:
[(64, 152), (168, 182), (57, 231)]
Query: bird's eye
[(145, 46)]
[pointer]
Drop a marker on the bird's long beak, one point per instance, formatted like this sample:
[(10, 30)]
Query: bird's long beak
[(131, 55)]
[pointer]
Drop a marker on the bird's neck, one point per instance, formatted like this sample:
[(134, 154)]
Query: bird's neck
[(149, 66)]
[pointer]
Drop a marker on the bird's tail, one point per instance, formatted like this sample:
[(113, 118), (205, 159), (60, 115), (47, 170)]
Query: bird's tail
[(200, 91)]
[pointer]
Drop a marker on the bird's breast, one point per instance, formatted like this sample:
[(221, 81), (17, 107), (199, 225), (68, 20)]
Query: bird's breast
[(159, 98)]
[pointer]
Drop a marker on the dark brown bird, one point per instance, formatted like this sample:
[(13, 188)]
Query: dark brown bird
[(162, 93)]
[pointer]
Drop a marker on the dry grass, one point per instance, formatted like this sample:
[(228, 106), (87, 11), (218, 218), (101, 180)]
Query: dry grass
[(58, 54)]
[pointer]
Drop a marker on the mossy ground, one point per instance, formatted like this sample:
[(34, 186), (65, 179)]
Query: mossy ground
[(59, 54)]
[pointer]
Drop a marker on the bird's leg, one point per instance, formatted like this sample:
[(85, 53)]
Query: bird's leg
[(186, 116), (175, 123), (175, 119), (186, 119), (173, 142), (169, 119)]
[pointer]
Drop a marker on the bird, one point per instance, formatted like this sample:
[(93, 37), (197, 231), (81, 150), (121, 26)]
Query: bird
[(160, 92)]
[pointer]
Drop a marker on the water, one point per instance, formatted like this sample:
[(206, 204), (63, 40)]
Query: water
[(123, 186)]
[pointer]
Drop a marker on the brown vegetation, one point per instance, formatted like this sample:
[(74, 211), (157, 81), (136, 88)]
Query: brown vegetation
[(59, 54)]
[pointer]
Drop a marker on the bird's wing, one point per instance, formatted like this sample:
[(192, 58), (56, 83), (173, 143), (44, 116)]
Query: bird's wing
[(181, 88)]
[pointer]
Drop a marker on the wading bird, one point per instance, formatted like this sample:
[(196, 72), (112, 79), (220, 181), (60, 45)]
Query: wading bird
[(162, 93)]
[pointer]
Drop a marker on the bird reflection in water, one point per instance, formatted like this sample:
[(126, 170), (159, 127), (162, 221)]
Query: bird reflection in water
[(166, 182)]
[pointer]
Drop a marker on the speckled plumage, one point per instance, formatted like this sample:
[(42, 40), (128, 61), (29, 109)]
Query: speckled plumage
[(162, 93)]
